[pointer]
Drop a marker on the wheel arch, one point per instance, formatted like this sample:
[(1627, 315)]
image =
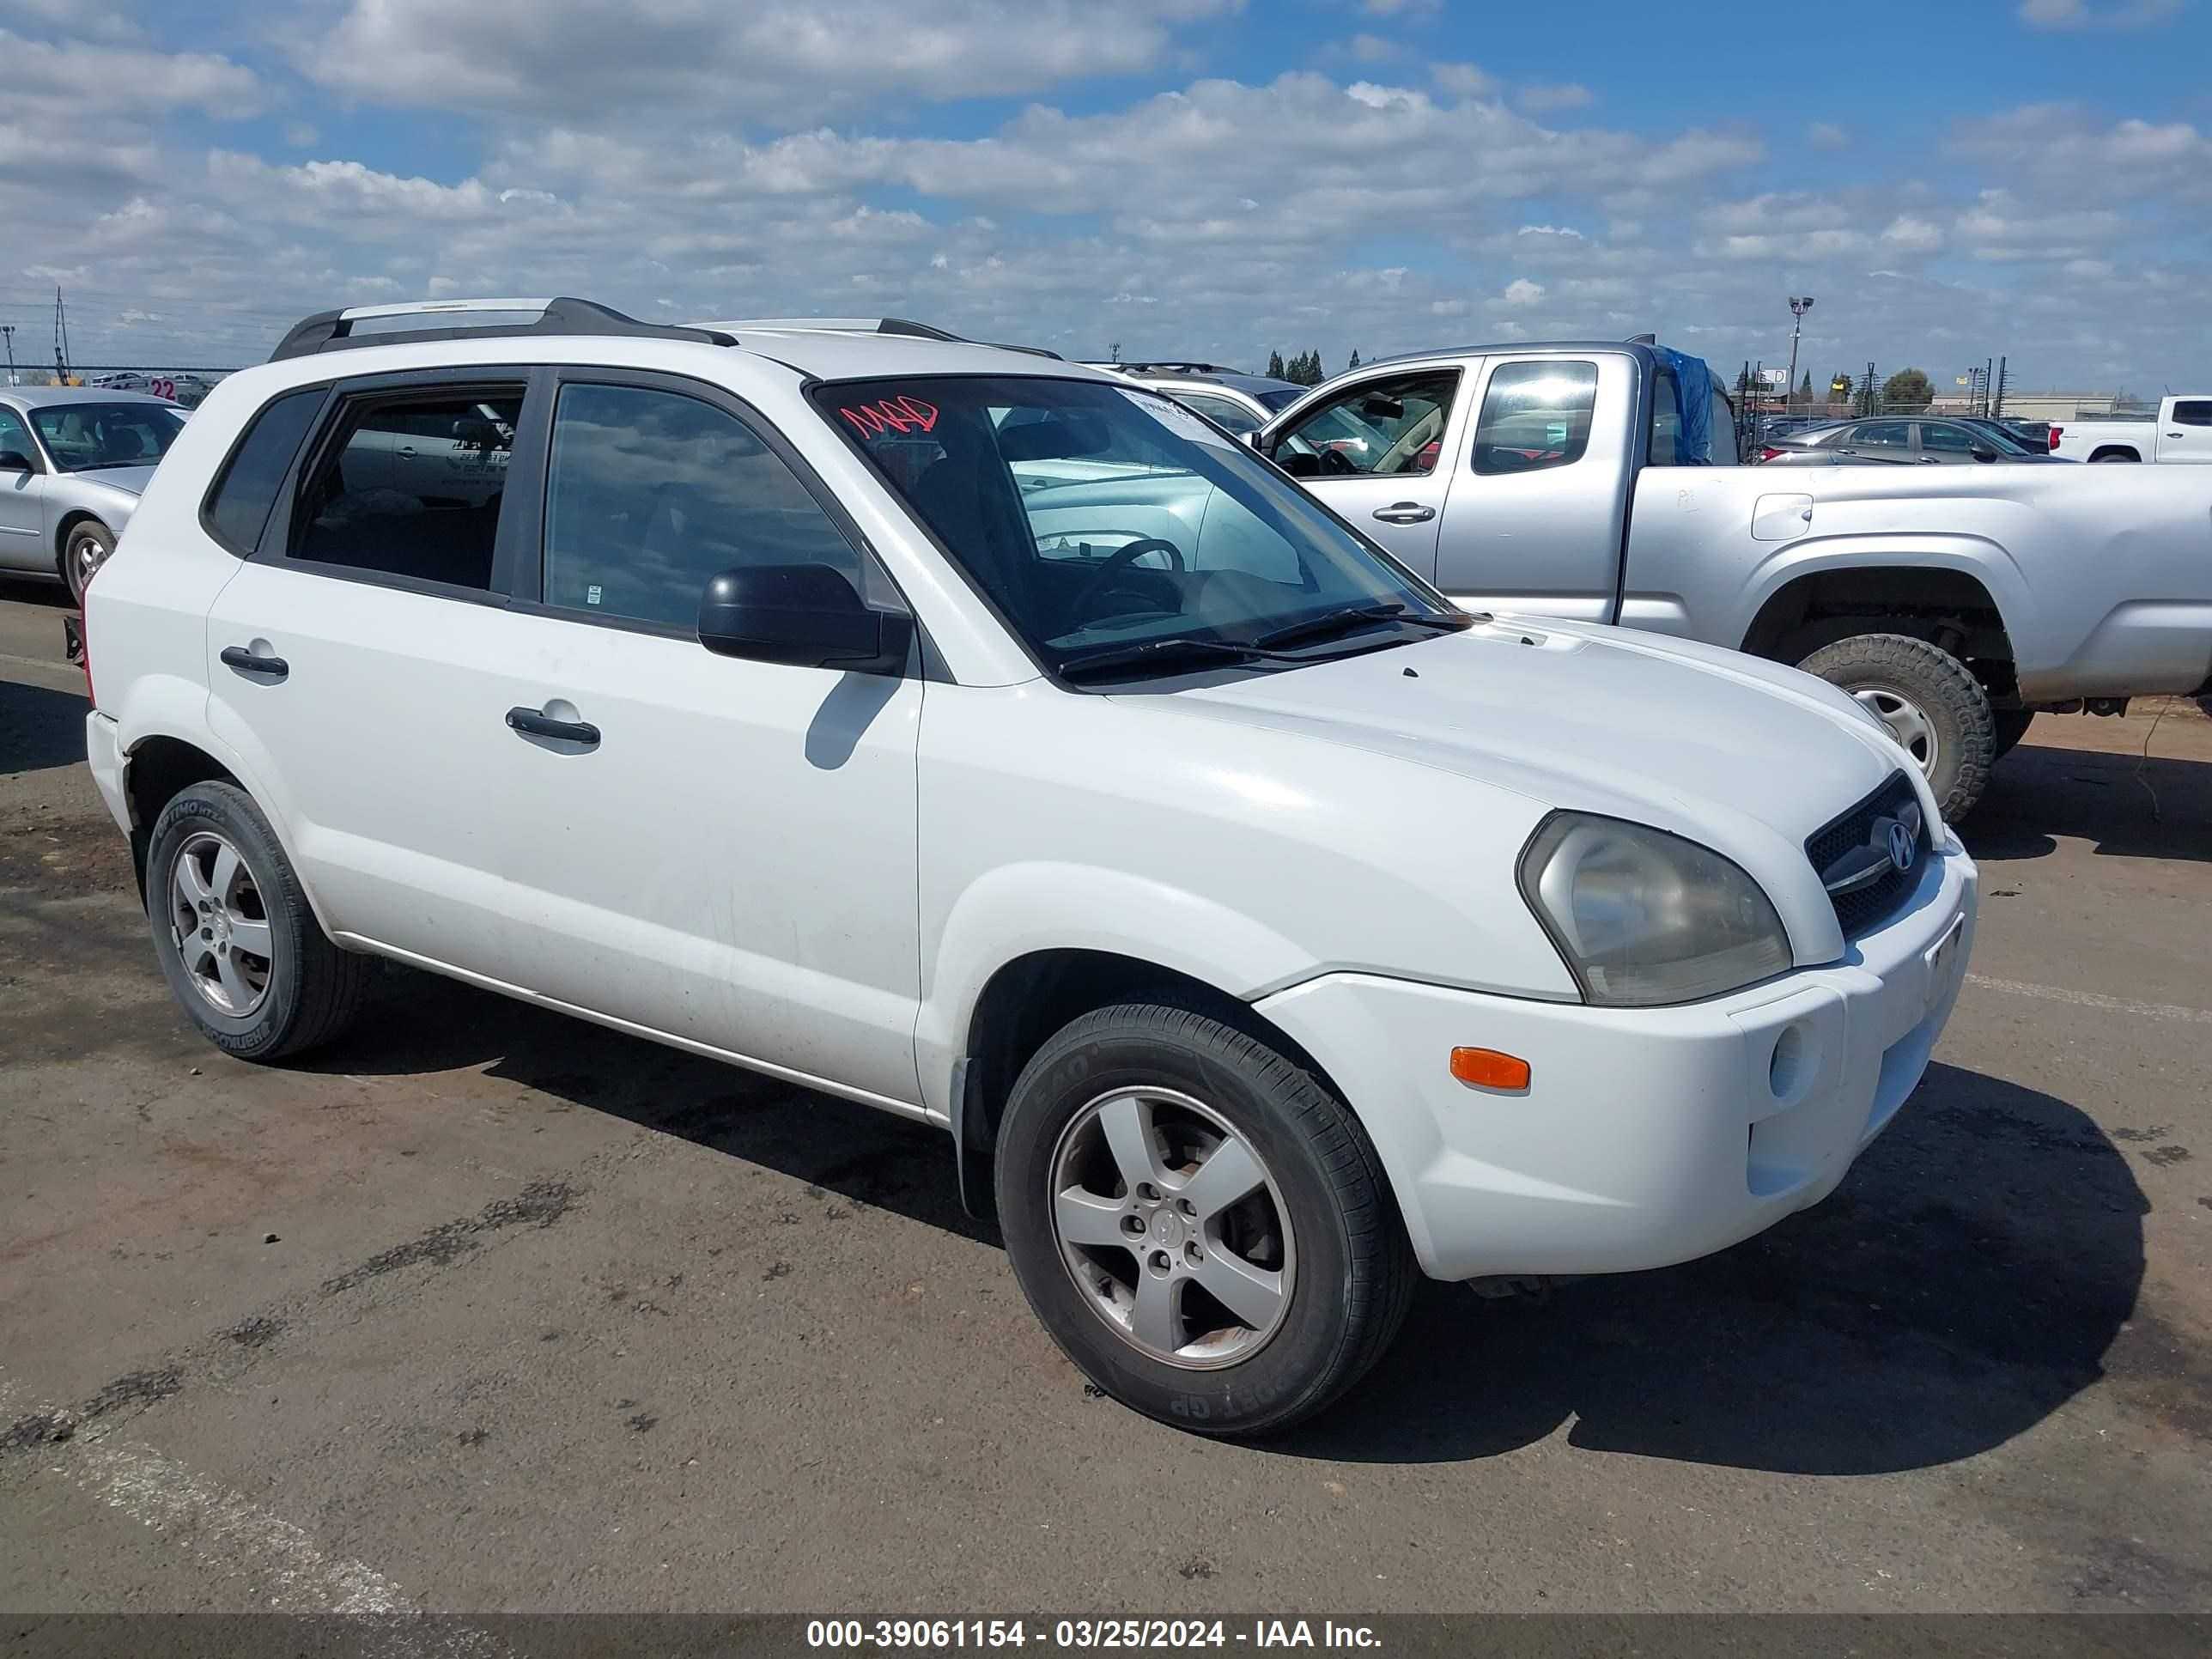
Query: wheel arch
[(1029, 998), (1949, 603), (2116, 452), (158, 764)]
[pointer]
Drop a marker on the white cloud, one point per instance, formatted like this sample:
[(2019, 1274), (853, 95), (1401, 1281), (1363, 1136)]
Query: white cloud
[(1826, 135), (1911, 235), (69, 79), (1373, 48), (2085, 15), (1401, 8), (1466, 80), (1522, 292), (1549, 230), (1541, 100)]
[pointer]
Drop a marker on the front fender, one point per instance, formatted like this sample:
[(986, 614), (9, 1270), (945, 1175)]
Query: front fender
[(1014, 911)]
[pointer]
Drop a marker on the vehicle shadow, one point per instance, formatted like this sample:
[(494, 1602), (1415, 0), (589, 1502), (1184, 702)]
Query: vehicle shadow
[(419, 1023), (1964, 1283), (29, 590), (39, 727), (2125, 805)]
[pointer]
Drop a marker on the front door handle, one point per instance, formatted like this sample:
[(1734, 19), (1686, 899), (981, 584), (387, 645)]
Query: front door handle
[(254, 662), (535, 723), (1405, 512)]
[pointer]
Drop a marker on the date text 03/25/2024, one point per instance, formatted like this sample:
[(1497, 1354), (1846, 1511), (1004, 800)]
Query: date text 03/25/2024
[(1069, 1634)]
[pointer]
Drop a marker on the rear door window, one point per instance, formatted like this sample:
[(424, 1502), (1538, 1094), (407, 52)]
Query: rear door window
[(412, 485), (2193, 411), (1537, 415)]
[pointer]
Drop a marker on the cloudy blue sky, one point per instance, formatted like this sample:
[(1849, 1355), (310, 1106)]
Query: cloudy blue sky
[(1952, 178)]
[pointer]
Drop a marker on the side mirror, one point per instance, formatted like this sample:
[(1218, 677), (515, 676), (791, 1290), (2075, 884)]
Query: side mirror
[(1300, 464), (14, 460), (806, 615), (1983, 453)]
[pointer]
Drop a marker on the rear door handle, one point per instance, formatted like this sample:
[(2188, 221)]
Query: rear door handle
[(1405, 512), (534, 723), (253, 662)]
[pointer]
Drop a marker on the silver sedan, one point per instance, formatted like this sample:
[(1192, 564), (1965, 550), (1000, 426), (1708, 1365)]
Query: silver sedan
[(73, 460)]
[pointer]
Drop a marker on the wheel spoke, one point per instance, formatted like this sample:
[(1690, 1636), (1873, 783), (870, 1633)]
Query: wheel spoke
[(251, 936), (1128, 1124), (234, 981), (198, 956), (1156, 1321), (1229, 1173), (225, 875), (1086, 1218), (1254, 1294), (192, 889)]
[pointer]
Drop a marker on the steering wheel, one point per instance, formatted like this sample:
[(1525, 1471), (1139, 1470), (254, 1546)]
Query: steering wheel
[(1120, 560)]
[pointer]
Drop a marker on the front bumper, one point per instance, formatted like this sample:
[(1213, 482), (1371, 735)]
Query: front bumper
[(1647, 1136)]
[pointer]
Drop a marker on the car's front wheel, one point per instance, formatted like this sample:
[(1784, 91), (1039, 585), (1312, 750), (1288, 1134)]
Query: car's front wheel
[(1199, 1221), (84, 549), (233, 931), (1933, 706)]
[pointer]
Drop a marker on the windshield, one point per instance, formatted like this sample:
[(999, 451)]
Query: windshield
[(1999, 438), (1115, 532), (86, 437)]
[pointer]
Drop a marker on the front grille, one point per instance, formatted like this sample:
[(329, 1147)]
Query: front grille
[(1847, 847)]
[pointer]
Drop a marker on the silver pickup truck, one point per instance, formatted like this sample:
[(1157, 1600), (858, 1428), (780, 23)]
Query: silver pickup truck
[(1570, 479)]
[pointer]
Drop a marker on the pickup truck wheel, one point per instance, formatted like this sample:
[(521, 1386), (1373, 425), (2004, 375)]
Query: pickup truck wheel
[(1935, 709), (84, 551), (1199, 1222), (241, 948)]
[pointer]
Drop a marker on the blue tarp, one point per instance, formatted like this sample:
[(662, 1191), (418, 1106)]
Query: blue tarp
[(1694, 387)]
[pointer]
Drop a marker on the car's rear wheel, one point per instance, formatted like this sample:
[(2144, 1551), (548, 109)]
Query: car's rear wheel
[(235, 938), (1198, 1220), (84, 549), (1933, 706)]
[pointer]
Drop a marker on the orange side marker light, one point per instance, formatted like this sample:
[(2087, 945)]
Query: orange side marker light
[(1486, 1068)]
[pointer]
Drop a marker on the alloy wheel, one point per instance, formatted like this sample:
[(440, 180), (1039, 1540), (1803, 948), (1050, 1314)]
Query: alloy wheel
[(220, 924), (1172, 1228)]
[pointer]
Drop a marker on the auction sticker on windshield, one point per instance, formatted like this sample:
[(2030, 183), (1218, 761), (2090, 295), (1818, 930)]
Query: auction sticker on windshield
[(1178, 420)]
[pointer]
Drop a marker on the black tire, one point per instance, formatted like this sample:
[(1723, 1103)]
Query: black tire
[(2116, 455), (1355, 1272), (2010, 725), (1956, 709), (311, 988), (84, 549)]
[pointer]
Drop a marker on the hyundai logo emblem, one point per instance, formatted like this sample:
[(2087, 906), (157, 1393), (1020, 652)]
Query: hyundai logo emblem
[(1902, 848)]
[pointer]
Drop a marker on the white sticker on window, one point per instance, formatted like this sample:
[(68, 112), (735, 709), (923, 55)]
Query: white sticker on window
[(1178, 420), (591, 595)]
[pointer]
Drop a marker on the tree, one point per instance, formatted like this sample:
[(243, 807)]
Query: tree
[(1354, 363), (1114, 351), (1805, 389), (1908, 392), (1275, 369), (1839, 389)]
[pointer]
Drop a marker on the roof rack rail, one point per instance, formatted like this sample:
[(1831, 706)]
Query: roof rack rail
[(903, 325), (333, 331)]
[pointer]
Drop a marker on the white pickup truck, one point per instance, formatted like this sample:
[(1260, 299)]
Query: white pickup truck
[(2182, 432), (1597, 481)]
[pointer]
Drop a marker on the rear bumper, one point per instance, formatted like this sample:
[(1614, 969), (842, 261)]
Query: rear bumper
[(103, 749), (1646, 1136)]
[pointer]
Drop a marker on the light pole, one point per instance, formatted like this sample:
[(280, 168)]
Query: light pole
[(1798, 307), (7, 333)]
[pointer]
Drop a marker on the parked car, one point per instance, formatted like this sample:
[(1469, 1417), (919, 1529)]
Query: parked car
[(2182, 432), (1955, 602), (1236, 402), (73, 460), (1264, 931), (1922, 439)]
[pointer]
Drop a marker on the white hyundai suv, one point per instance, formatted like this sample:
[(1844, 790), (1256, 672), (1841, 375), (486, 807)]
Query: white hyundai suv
[(993, 741)]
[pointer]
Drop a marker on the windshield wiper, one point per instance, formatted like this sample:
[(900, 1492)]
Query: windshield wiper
[(1146, 651), (1330, 623)]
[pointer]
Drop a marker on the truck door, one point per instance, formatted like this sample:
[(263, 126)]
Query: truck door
[(1536, 524), (2186, 432), (1374, 450)]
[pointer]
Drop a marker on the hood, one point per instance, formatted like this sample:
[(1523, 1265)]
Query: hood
[(129, 480), (1746, 757)]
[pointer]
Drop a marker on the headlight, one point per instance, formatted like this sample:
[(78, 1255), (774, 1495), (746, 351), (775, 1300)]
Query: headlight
[(1643, 917)]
